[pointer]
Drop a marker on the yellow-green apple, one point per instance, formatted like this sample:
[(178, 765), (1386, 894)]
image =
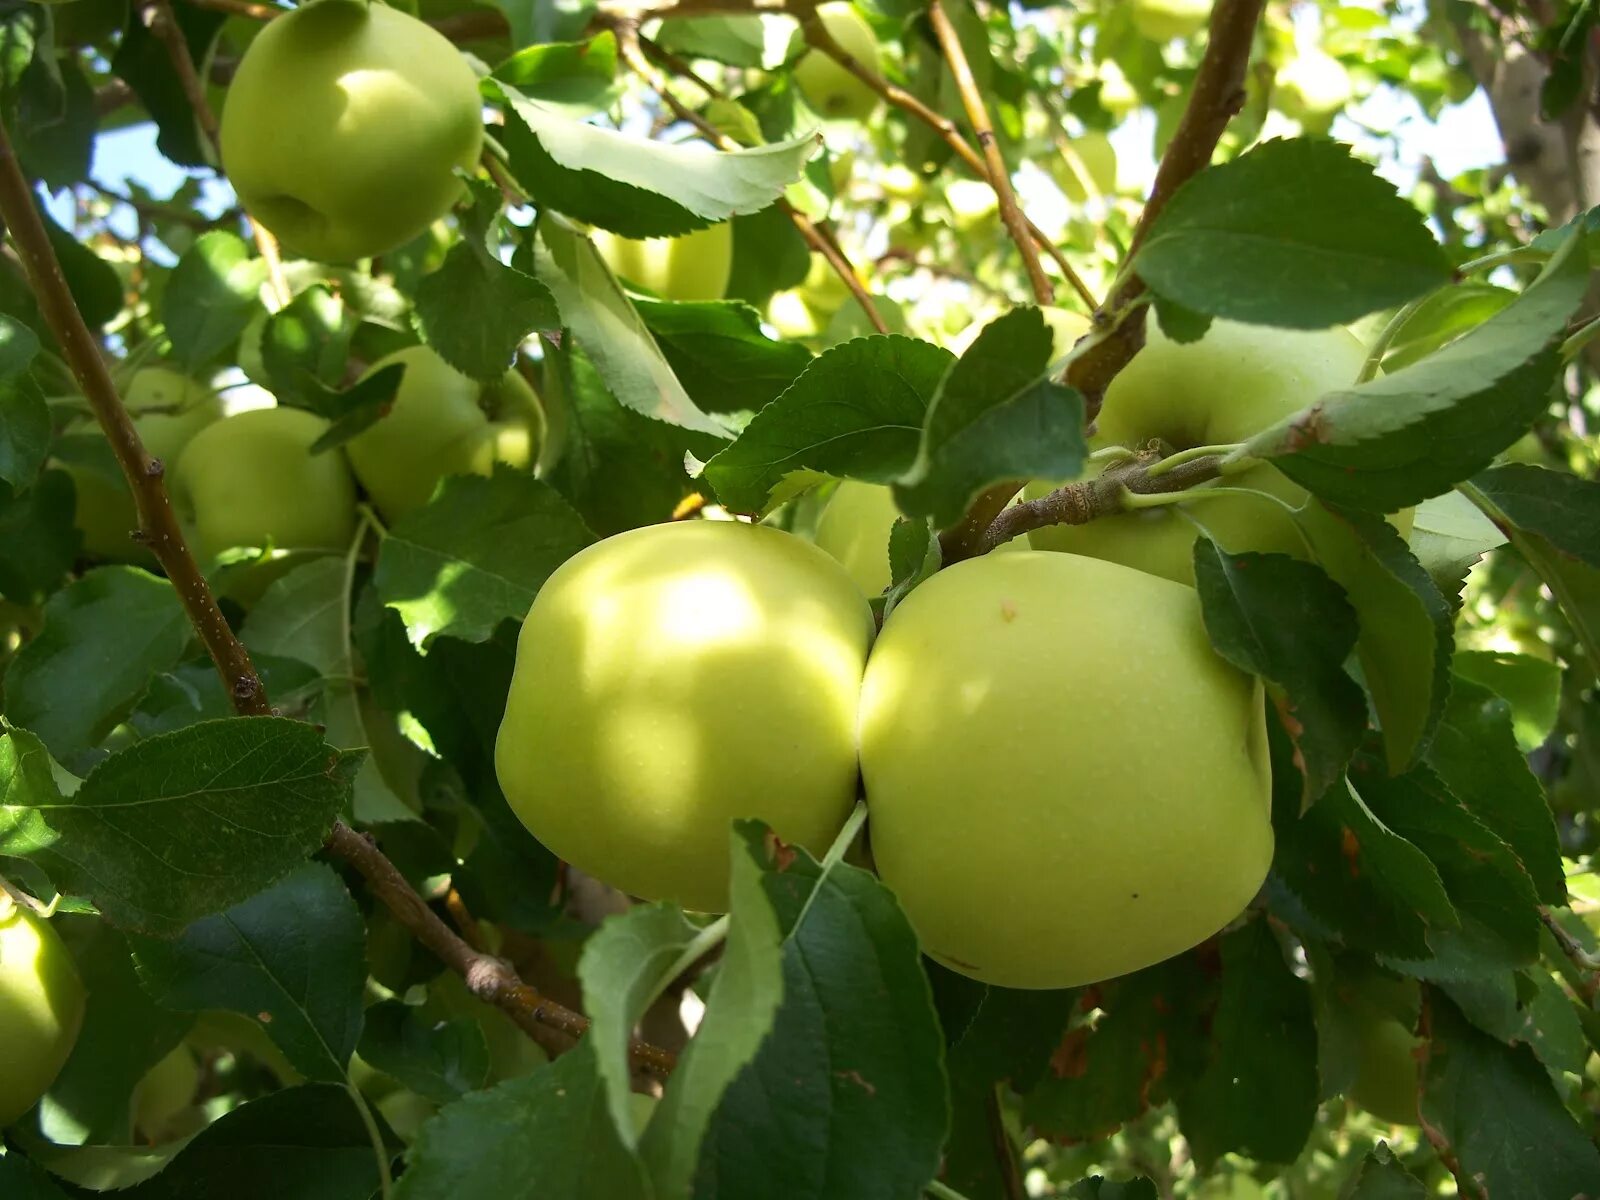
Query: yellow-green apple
[(441, 423), (1313, 89), (1386, 1069), (406, 1113), (692, 267), (168, 409), (251, 480), (1117, 94), (1163, 20), (673, 678), (1234, 382), (41, 1008), (162, 1096), (345, 125), (828, 87), (1035, 850)]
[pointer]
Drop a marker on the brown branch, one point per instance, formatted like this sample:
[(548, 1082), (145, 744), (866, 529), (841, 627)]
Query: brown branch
[(817, 36), (489, 978), (999, 178), (679, 67), (627, 31), (1587, 967), (158, 526)]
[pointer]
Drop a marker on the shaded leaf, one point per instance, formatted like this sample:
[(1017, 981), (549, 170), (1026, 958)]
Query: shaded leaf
[(24, 417), (213, 293), (718, 352), (440, 1060)]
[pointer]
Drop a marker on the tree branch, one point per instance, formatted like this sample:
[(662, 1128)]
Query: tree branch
[(999, 178), (627, 31)]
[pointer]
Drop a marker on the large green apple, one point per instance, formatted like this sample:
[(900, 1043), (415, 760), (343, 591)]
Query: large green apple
[(1065, 783), (1232, 383), (672, 678), (692, 267), (1163, 20), (441, 423), (1313, 89), (168, 409), (41, 1008), (251, 480), (830, 89), (345, 125)]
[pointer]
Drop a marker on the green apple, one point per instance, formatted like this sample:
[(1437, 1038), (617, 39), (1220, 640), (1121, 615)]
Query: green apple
[(168, 409), (1033, 849), (1117, 94), (830, 89), (973, 205), (673, 678), (406, 1113), (1313, 89), (692, 267), (251, 480), (1232, 383), (163, 1095), (41, 1008), (441, 423), (1163, 20), (1386, 1071), (345, 125)]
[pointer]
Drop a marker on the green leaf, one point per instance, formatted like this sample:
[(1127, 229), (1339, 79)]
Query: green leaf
[(626, 964), (1286, 621), (914, 557), (292, 958), (105, 635), (24, 417), (38, 540), (855, 412), (305, 344), (1406, 627), (1401, 438), (54, 125), (1098, 1187), (1494, 1107), (1442, 318), (637, 187), (718, 352), (846, 1099), (476, 555), (997, 416), (357, 407), (1530, 685), (1475, 752), (144, 62), (1560, 508), (1272, 238), (307, 1142), (545, 1136), (768, 255), (95, 286), (574, 79), (182, 825), (475, 310), (213, 292), (1255, 1089), (737, 40), (1448, 537), (610, 330), (1381, 1176), (21, 1180), (442, 1061), (740, 1010)]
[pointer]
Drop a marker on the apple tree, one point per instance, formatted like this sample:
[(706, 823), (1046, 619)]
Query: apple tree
[(761, 599)]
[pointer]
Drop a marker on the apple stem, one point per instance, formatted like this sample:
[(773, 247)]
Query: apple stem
[(1587, 964), (1178, 458)]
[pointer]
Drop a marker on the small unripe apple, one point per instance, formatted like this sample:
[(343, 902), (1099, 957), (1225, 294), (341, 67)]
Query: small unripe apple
[(41, 1008), (406, 1113), (441, 423), (168, 409), (1117, 94), (345, 125), (828, 87), (1064, 781), (251, 480), (165, 1092), (1234, 382), (1313, 89), (673, 678), (1387, 1071), (1163, 20), (692, 267)]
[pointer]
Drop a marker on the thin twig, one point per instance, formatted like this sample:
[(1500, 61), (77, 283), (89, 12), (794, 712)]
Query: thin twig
[(679, 67), (158, 16), (999, 178), (489, 978), (158, 526), (818, 37), (242, 8), (627, 31), (1588, 965)]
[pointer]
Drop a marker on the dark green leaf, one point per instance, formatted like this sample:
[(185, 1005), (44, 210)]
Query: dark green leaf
[(913, 557), (442, 1061), (1560, 508), (1529, 684), (38, 540), (476, 555), (24, 418), (1098, 1187), (307, 343), (1381, 1176), (213, 292), (1286, 621), (292, 958), (573, 78), (179, 826), (54, 127), (145, 63), (357, 407), (720, 355), (94, 284), (1496, 1110), (105, 635), (1403, 437), (768, 255), (997, 416), (855, 412), (193, 691), (21, 1180), (1268, 238)]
